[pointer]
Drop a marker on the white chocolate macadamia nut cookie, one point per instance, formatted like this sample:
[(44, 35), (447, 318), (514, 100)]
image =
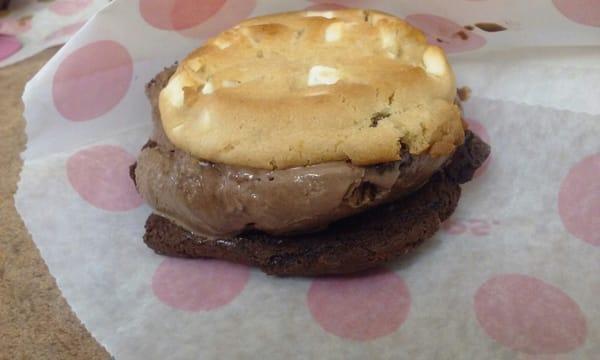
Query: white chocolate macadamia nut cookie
[(305, 88)]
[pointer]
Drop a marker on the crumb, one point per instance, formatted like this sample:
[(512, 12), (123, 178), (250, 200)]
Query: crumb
[(464, 93), (463, 35), (490, 27)]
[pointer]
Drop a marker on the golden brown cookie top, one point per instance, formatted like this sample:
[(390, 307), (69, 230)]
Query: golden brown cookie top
[(308, 87)]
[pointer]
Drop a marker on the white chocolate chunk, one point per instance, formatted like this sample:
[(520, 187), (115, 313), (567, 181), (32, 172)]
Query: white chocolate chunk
[(334, 32), (174, 91), (324, 14), (388, 40), (435, 61), (322, 75), (208, 88), (230, 83), (221, 44)]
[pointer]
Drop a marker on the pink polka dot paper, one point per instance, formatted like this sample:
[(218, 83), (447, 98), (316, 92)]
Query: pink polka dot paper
[(68, 7), (511, 275), (8, 46), (37, 25), (446, 33), (178, 14), (100, 175), (579, 200), (528, 315), (362, 307), (585, 12), (92, 80), (198, 285)]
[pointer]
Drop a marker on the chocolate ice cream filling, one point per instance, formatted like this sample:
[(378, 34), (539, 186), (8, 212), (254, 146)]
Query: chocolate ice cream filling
[(218, 199)]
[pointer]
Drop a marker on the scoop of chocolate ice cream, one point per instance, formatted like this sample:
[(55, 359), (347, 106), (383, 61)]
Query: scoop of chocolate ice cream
[(218, 199)]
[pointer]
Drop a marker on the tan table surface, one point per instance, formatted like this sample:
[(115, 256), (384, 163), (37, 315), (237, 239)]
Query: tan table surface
[(35, 320)]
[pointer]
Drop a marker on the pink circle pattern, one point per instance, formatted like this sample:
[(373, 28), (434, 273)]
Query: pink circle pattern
[(529, 315), (69, 7), (92, 80), (15, 26), (446, 33), (360, 307), (198, 285), (579, 200), (9, 45), (585, 12), (178, 14), (100, 175), (232, 12), (479, 129)]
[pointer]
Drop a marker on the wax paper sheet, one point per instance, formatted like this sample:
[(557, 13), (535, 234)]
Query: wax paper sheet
[(512, 275), (30, 26)]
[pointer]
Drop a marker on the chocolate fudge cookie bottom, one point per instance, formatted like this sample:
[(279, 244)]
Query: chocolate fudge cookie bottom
[(352, 244)]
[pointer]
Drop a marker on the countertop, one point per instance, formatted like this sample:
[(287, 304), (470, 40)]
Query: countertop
[(35, 320)]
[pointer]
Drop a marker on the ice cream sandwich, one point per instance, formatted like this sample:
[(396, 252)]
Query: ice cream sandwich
[(305, 143)]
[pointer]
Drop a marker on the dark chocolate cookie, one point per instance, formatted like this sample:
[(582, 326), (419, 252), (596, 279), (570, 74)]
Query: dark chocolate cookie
[(349, 245)]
